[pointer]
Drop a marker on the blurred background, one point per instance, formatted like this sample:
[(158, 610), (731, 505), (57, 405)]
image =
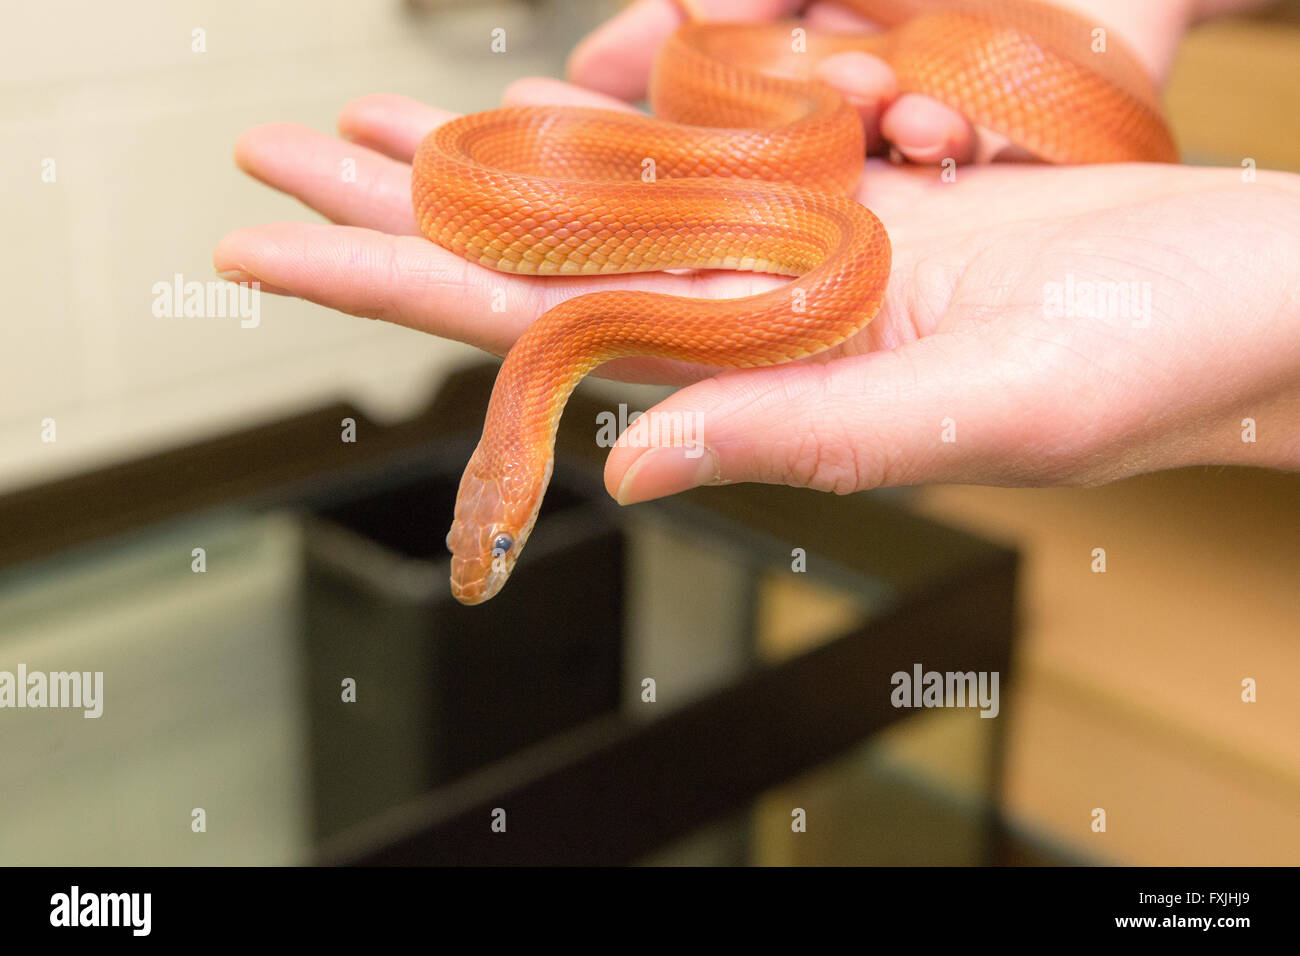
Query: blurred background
[(115, 138)]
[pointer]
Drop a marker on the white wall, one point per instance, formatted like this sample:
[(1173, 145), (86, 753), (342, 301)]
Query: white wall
[(140, 129), (203, 700)]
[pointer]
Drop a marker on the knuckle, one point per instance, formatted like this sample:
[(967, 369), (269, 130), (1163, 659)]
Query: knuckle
[(825, 459)]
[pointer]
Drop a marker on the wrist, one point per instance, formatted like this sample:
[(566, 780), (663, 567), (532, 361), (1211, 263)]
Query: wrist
[(1152, 29), (1264, 427)]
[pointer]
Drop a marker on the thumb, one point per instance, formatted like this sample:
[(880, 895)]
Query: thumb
[(945, 408), (867, 83), (617, 57)]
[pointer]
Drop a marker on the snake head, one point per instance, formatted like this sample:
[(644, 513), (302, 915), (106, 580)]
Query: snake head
[(495, 513)]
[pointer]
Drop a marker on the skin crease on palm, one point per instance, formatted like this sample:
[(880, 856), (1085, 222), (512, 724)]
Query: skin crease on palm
[(964, 333)]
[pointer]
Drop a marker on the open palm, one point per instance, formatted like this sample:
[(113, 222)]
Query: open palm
[(1041, 325)]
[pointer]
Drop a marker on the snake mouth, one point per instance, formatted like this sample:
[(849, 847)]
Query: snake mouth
[(478, 570), (474, 581), (491, 528)]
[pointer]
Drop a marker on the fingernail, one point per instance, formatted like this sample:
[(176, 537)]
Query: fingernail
[(241, 277), (668, 470), (862, 78), (926, 155)]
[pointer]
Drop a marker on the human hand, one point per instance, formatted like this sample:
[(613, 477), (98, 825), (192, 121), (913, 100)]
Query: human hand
[(1043, 326), (1035, 395), (616, 58)]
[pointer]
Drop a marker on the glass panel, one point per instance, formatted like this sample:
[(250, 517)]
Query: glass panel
[(916, 794), (188, 697)]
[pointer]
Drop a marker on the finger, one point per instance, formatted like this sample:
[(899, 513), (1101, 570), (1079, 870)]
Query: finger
[(546, 91), (406, 280), (411, 282), (616, 58), (347, 183), (937, 409), (868, 84), (390, 124), (402, 279), (831, 16), (926, 131)]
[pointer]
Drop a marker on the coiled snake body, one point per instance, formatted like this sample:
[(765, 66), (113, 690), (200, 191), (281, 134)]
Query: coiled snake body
[(753, 163)]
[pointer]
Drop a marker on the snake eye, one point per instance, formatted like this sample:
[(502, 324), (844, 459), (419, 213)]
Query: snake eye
[(501, 544)]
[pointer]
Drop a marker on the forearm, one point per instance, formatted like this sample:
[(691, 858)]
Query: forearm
[(1151, 28), (1262, 426)]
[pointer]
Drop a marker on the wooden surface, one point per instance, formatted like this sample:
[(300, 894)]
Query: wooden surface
[(1130, 689), (1235, 94)]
